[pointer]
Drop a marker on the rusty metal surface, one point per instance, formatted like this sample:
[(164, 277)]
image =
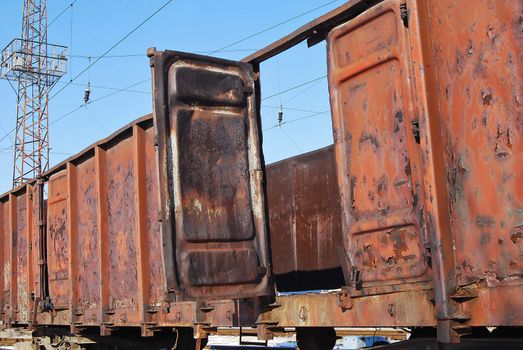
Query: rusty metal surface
[(58, 240), (427, 130), (426, 100), (472, 55), (305, 221), (369, 77), (480, 99), (211, 184), (103, 245), (17, 235), (393, 309), (103, 231), (6, 258)]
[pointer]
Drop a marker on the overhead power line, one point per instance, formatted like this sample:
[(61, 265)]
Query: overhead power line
[(295, 109), (113, 47), (291, 139), (95, 119), (323, 113), (294, 87), (143, 55), (61, 13), (96, 100), (105, 54), (8, 150), (103, 87), (129, 89), (272, 27), (7, 135)]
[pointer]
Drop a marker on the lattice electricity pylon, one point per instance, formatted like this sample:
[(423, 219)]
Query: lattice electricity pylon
[(35, 66)]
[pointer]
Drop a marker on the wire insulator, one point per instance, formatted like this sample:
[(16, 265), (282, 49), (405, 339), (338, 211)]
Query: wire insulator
[(280, 116), (87, 93)]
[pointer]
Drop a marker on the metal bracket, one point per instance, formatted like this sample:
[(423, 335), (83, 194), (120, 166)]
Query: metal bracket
[(264, 330), (200, 331), (344, 300), (404, 12)]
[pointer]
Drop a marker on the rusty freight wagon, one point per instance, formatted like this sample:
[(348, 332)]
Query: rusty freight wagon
[(412, 219)]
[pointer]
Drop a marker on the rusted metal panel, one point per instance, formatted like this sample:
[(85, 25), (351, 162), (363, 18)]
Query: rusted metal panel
[(37, 258), (413, 84), (23, 254), (472, 54), (377, 153), (122, 213), (305, 221), (58, 240), (4, 246), (22, 264), (103, 258), (156, 285), (17, 234), (480, 98), (211, 184), (321, 310), (7, 258), (11, 259), (85, 242), (407, 154)]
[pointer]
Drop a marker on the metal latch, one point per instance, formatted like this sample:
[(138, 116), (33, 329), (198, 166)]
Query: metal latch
[(355, 278), (404, 13), (416, 130)]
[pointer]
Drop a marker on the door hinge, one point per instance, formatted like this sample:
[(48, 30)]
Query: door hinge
[(416, 130), (428, 254), (355, 278), (404, 13)]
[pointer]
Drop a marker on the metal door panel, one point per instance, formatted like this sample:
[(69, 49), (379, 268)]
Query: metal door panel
[(58, 241), (211, 177), (376, 148), (5, 255)]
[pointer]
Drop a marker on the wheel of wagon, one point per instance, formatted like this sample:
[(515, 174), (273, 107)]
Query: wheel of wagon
[(316, 338), (186, 340)]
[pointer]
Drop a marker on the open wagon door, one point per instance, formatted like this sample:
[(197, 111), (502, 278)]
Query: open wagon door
[(211, 177), (377, 146)]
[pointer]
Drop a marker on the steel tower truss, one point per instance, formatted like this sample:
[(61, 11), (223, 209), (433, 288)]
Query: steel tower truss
[(35, 66)]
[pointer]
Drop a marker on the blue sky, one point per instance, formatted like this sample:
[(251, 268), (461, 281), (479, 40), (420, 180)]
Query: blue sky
[(185, 25)]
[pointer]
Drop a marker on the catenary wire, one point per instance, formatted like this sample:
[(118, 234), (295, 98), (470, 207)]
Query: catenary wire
[(61, 13), (9, 150), (144, 55), (96, 100), (95, 119), (211, 52), (298, 119), (103, 87), (207, 52), (272, 27), (128, 88), (295, 109), (294, 87), (112, 47), (291, 139)]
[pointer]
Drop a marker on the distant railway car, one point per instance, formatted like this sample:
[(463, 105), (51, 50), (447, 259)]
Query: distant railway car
[(413, 219)]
